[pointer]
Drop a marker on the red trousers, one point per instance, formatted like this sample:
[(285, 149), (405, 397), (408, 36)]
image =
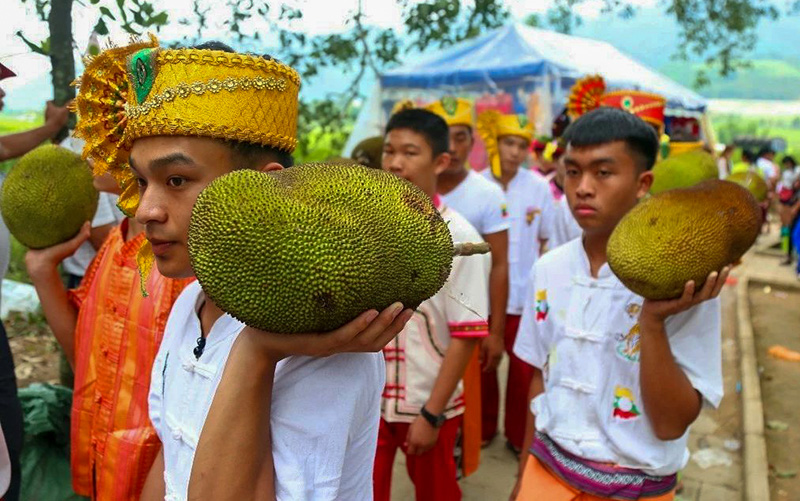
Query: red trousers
[(519, 381), (433, 473)]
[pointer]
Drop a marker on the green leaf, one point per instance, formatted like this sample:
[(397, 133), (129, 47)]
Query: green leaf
[(43, 48), (107, 13)]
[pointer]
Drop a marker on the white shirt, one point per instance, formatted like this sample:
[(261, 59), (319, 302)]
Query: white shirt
[(583, 333), (481, 202), (324, 418), (565, 227), (767, 168), (106, 213), (459, 309), (531, 212)]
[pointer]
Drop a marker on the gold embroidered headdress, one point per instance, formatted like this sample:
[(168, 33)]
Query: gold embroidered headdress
[(492, 125), (144, 90)]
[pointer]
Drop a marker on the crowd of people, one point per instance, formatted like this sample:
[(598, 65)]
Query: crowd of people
[(174, 398)]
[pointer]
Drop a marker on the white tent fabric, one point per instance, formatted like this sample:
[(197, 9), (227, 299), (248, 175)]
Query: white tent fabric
[(521, 60)]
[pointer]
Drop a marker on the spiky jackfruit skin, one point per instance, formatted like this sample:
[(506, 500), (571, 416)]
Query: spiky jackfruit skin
[(681, 235), (47, 197), (754, 183), (309, 248), (683, 171)]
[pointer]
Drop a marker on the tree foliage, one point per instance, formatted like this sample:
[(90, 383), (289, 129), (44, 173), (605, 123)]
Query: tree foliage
[(719, 32)]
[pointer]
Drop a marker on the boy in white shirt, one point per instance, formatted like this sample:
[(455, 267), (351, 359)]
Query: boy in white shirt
[(483, 204), (618, 379), (423, 404), (531, 213), (237, 416)]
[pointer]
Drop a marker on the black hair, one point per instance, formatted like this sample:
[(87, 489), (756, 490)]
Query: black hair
[(606, 125), (766, 150), (748, 156), (790, 159), (249, 155), (425, 123)]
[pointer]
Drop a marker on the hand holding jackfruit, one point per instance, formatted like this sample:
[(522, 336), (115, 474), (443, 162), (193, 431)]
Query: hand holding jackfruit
[(681, 235), (309, 248), (683, 170), (47, 197), (754, 183)]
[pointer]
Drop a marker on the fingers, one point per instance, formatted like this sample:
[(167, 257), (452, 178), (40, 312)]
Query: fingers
[(381, 330), (371, 332), (723, 278), (708, 287), (348, 332)]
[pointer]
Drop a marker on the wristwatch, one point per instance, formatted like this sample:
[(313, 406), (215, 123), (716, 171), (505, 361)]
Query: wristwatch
[(435, 421)]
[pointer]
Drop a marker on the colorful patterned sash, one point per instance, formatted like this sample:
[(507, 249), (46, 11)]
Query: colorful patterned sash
[(599, 479)]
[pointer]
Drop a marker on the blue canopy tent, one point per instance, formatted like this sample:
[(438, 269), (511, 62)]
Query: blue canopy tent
[(525, 64)]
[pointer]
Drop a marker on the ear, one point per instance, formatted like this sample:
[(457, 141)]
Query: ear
[(441, 163), (644, 183), (270, 167)]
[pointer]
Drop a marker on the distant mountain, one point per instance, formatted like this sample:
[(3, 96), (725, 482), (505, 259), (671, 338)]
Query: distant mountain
[(765, 79), (651, 37)]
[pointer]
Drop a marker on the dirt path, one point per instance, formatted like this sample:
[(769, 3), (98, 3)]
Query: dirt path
[(776, 321)]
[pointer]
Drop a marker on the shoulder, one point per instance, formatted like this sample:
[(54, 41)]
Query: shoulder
[(183, 307), (460, 228), (188, 297), (480, 182), (536, 181), (559, 258)]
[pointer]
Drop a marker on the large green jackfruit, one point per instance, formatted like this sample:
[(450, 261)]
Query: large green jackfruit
[(47, 197), (681, 235), (754, 183), (683, 170), (309, 248)]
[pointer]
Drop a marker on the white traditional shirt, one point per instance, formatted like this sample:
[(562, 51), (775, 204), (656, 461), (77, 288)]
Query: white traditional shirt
[(481, 202), (583, 333), (531, 212), (324, 417), (565, 227), (459, 309)]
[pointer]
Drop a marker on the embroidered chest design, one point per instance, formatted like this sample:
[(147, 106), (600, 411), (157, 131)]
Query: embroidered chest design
[(542, 308), (628, 344), (624, 404), (530, 214)]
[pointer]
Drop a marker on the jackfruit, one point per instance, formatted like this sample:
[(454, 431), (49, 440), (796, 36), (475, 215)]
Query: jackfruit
[(682, 171), (754, 183), (307, 249), (681, 235), (47, 196)]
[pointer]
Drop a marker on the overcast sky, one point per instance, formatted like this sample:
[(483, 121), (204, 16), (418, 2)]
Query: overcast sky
[(318, 18)]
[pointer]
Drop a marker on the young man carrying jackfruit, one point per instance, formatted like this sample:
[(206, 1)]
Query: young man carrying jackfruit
[(531, 212), (618, 379), (423, 404), (239, 417)]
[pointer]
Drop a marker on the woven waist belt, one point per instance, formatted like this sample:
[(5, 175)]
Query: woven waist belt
[(599, 479)]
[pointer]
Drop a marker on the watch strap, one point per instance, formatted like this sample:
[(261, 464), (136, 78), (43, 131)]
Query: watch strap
[(434, 420)]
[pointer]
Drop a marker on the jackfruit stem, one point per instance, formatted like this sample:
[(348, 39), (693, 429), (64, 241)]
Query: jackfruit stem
[(471, 248)]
